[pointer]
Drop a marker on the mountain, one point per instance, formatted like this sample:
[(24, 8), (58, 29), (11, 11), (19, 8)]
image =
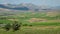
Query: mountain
[(28, 6), (56, 8), (13, 7), (21, 6)]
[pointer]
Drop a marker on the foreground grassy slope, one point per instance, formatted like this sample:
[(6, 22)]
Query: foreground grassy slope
[(34, 30), (32, 22)]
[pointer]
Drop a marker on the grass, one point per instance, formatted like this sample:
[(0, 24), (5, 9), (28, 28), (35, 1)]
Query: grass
[(42, 24), (28, 16), (32, 30)]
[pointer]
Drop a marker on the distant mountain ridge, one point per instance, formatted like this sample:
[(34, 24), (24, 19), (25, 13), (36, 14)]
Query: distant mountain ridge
[(26, 6), (13, 7)]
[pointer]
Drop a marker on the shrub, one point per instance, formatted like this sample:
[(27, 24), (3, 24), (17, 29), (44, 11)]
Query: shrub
[(7, 27)]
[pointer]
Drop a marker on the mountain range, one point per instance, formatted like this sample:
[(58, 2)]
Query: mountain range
[(28, 6)]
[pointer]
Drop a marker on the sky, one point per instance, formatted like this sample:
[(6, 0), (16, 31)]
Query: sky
[(36, 2)]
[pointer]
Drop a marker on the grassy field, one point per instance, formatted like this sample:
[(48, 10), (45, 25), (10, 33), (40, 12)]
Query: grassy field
[(32, 22), (34, 30)]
